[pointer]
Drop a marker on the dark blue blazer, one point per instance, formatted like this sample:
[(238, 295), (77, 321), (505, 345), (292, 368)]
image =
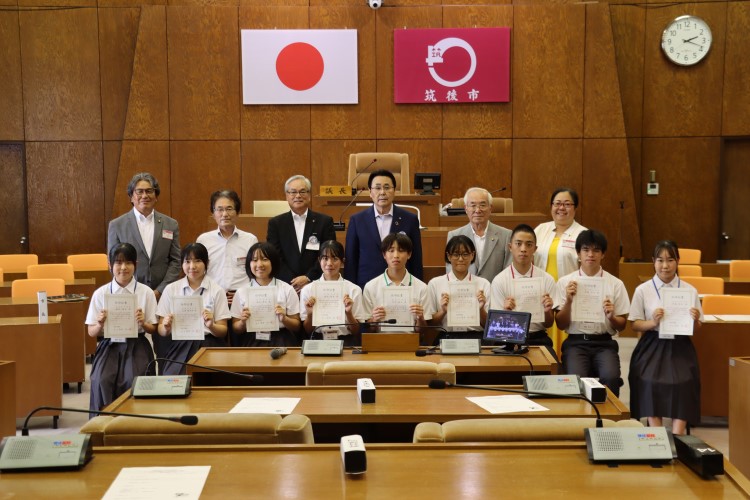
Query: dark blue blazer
[(364, 260)]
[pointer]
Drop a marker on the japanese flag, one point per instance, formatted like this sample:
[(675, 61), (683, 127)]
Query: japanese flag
[(299, 67)]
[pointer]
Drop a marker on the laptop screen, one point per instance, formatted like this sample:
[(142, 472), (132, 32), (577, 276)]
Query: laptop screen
[(507, 327)]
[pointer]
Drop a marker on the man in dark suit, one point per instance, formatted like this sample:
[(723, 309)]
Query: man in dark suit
[(297, 235), (364, 259), (155, 236)]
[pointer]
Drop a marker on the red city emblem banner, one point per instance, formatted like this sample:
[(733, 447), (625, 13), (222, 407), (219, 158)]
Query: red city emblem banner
[(451, 65)]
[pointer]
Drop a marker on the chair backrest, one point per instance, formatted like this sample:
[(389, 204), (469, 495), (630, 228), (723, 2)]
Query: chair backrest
[(706, 284), (42, 271), (397, 163), (499, 205), (1, 274), (381, 372), (510, 429), (211, 429), (690, 256), (28, 288), (726, 304), (689, 270), (739, 269), (89, 262), (17, 262), (269, 208)]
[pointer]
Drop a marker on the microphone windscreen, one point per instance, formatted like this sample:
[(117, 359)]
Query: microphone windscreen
[(421, 353), (188, 420), (275, 354), (391, 321), (438, 384)]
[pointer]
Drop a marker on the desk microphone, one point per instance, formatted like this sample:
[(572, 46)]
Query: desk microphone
[(256, 378), (421, 353), (175, 386), (442, 384), (341, 225), (277, 352), (499, 190), (420, 328), (354, 190), (363, 324)]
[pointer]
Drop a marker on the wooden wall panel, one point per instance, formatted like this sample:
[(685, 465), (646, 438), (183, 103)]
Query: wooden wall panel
[(349, 121), (274, 122), (547, 54), (118, 29), (112, 150), (481, 120), (635, 155), (11, 100), (606, 183), (542, 165), (148, 103), (198, 169), (9, 2), (405, 121), (66, 206), (143, 156), (602, 107), (57, 3), (479, 162), (329, 160), (683, 101), (14, 221), (267, 164), (204, 74), (686, 209), (736, 102), (60, 61), (628, 31)]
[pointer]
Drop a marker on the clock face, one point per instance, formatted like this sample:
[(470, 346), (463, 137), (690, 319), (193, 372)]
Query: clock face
[(686, 40)]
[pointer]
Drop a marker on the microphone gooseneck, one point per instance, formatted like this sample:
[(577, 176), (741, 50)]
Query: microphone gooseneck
[(257, 378)]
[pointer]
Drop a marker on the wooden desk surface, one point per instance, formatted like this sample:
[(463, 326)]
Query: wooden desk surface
[(427, 471)]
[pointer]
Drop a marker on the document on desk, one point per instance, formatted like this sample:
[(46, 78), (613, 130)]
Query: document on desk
[(588, 303), (528, 295), (262, 303), (187, 322), (463, 308), (329, 303), (277, 406), (677, 303), (146, 483), (120, 321), (514, 403)]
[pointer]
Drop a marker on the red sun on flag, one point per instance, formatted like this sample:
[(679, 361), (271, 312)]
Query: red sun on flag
[(299, 66)]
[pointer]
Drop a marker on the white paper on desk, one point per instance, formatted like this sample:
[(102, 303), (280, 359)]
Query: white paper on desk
[(676, 303), (731, 318), (329, 303), (514, 403), (121, 322), (396, 301), (158, 483), (463, 308), (278, 406), (527, 293), (262, 304), (588, 303), (187, 322)]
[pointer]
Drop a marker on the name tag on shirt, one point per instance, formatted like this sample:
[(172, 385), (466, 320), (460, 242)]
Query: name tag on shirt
[(167, 234), (118, 340), (313, 243), (569, 244), (263, 336), (241, 261)]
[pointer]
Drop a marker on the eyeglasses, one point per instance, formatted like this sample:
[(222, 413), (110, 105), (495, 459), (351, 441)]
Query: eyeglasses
[(384, 189), (148, 191), (478, 206), (224, 210), (566, 204), (464, 256), (301, 192)]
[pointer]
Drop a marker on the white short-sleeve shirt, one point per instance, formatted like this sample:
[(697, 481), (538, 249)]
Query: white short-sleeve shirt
[(440, 285), (613, 288), (214, 298)]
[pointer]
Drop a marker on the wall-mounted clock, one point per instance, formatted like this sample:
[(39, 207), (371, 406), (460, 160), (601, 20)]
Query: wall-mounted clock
[(686, 40)]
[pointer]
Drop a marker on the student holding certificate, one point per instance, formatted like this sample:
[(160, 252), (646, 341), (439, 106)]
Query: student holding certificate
[(332, 299), (122, 351), (459, 298), (268, 308), (594, 308), (396, 293), (193, 311), (664, 376), (522, 286)]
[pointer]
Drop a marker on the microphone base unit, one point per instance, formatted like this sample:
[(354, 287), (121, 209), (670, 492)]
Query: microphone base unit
[(460, 346), (613, 445), (161, 386), (62, 452), (322, 347), (564, 385)]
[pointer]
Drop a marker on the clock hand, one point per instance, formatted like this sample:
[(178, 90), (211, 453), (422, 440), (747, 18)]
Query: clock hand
[(690, 39)]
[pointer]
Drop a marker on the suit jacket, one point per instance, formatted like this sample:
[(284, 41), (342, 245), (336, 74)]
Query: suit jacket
[(164, 265), (364, 260), (282, 235), (496, 255)]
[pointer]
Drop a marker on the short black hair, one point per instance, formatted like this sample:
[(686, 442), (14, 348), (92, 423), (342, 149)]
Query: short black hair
[(143, 176), (400, 239), (196, 251), (124, 250), (331, 248), (670, 246), (381, 173), (456, 243), (267, 250), (227, 193), (591, 238), (522, 228), (570, 191)]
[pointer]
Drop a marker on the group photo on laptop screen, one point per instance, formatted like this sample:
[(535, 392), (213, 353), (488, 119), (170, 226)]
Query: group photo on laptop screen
[(507, 327)]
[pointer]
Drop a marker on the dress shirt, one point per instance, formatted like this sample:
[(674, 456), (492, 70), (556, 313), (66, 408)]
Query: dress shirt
[(226, 257), (146, 228)]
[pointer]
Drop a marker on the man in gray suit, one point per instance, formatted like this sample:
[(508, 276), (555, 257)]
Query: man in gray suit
[(490, 240), (155, 236)]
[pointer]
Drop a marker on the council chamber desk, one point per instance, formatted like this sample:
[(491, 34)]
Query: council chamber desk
[(335, 411), (427, 471), (290, 368)]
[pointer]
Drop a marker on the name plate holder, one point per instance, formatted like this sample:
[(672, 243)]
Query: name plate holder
[(460, 346), (322, 347)]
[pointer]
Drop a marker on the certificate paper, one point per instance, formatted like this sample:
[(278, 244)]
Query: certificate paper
[(158, 483), (187, 322), (677, 303), (262, 303), (396, 300), (463, 308), (120, 321), (589, 299), (278, 406), (528, 295), (329, 303)]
